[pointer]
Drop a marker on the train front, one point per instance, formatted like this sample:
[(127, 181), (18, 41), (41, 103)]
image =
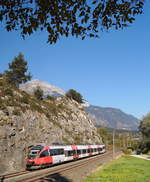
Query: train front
[(31, 161)]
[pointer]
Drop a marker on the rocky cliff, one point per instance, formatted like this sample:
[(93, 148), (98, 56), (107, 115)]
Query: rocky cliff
[(25, 121)]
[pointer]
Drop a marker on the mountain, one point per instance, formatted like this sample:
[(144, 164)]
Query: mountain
[(47, 88), (112, 118)]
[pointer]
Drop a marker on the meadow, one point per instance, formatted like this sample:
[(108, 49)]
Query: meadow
[(124, 169)]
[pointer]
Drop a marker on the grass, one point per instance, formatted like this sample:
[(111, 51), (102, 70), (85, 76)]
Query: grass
[(124, 169)]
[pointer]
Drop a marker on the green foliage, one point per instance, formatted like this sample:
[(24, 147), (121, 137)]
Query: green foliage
[(50, 97), (125, 169), (38, 93), (18, 68), (104, 134), (148, 153), (64, 18), (127, 151), (145, 145), (74, 95), (145, 130), (145, 126)]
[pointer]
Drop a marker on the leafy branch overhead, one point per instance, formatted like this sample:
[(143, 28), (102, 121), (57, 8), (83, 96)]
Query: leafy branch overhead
[(79, 18)]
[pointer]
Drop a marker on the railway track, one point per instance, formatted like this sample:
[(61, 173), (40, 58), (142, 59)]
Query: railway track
[(11, 175), (41, 175)]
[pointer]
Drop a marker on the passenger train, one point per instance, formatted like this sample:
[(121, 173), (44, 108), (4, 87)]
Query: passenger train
[(44, 155)]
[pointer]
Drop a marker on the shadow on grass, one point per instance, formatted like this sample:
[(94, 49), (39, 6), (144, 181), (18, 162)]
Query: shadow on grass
[(56, 178)]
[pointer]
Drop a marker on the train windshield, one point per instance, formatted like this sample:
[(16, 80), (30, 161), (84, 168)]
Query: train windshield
[(31, 156)]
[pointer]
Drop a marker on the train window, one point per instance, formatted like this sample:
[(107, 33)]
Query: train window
[(84, 151), (89, 150), (100, 149), (34, 152), (69, 153), (51, 152), (56, 152), (60, 151), (78, 152), (44, 154), (95, 149)]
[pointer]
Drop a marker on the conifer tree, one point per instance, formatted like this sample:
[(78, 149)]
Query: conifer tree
[(17, 69)]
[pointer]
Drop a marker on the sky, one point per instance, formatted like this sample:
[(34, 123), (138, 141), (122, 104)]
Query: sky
[(112, 71)]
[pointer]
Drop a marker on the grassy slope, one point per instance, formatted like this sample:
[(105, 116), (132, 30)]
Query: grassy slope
[(125, 169)]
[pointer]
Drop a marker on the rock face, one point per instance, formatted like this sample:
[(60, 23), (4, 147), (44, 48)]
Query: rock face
[(47, 88), (25, 121), (112, 118)]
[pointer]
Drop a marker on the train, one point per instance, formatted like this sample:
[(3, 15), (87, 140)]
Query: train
[(41, 156)]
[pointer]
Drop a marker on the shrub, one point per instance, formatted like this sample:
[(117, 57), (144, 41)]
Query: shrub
[(50, 97), (74, 95), (127, 151), (38, 93)]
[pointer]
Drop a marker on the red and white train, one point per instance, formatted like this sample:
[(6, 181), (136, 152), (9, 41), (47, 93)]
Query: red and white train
[(43, 155)]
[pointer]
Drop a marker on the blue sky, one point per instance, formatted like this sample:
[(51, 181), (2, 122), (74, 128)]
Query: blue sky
[(112, 71)]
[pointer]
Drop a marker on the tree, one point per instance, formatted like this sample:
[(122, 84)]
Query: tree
[(68, 17), (145, 126), (38, 93), (74, 95), (18, 68)]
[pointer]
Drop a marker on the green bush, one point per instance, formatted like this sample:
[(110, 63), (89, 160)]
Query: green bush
[(148, 153), (38, 93), (74, 95), (127, 151)]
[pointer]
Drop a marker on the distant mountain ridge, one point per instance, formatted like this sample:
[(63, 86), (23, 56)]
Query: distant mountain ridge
[(112, 118)]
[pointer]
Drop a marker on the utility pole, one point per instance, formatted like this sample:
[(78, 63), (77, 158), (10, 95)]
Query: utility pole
[(113, 143)]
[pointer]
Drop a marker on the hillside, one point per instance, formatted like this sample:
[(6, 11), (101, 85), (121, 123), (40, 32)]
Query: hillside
[(25, 121), (107, 117), (112, 118)]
